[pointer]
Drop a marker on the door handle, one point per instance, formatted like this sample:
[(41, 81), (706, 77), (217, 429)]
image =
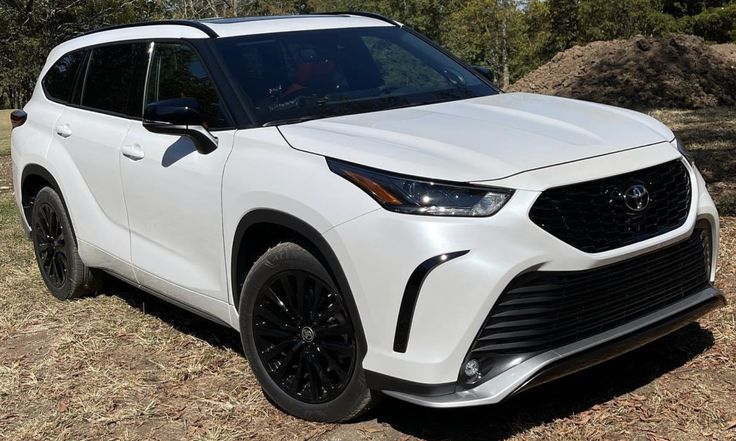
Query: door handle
[(133, 151), (63, 130)]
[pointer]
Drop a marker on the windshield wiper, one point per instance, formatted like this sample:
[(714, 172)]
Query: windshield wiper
[(281, 122)]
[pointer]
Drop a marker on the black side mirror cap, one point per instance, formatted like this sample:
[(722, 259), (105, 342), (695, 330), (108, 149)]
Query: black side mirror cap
[(485, 72), (179, 117), (18, 118)]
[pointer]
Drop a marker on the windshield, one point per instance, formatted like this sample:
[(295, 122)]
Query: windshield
[(296, 76)]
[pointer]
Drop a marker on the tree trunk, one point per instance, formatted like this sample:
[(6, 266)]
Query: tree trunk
[(505, 49)]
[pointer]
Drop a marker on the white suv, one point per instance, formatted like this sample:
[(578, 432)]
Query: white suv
[(369, 212)]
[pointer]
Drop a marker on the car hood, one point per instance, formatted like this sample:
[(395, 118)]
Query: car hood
[(478, 139)]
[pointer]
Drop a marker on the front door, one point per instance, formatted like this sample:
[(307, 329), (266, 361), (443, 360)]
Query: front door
[(173, 193)]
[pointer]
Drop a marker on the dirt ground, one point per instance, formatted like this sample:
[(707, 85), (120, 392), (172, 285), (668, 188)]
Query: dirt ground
[(126, 366), (678, 71)]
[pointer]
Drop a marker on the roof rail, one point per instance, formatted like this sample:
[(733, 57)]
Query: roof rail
[(362, 14), (191, 23)]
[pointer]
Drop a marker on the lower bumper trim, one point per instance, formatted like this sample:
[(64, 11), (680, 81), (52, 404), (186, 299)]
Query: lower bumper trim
[(557, 363), (621, 345), (378, 381)]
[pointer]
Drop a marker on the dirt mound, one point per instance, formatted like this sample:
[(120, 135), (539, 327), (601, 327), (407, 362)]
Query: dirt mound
[(727, 51), (678, 71)]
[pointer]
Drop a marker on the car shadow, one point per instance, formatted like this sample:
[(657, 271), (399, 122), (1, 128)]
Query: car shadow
[(177, 151), (178, 318), (558, 399)]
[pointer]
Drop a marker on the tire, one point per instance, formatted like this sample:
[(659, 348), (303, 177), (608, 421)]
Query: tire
[(55, 247), (299, 339)]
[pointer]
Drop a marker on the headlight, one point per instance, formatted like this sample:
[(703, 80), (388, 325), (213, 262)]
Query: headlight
[(683, 151), (405, 194)]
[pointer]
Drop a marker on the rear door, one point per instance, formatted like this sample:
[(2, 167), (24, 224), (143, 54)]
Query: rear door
[(92, 129), (173, 193)]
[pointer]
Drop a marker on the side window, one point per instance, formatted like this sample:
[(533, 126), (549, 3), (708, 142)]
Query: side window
[(115, 79), (178, 72), (400, 68), (62, 76)]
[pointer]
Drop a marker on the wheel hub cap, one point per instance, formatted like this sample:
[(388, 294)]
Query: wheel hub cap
[(307, 334)]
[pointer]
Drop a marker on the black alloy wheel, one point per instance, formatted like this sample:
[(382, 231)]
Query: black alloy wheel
[(51, 240), (304, 336), (55, 246), (301, 337)]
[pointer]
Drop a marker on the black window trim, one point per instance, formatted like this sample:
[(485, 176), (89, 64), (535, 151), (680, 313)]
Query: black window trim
[(80, 79), (77, 75)]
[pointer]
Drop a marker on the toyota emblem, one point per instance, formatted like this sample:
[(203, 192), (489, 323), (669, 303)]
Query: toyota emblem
[(636, 198)]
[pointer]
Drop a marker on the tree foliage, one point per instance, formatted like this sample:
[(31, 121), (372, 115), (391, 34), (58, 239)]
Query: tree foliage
[(606, 19), (510, 36), (713, 24)]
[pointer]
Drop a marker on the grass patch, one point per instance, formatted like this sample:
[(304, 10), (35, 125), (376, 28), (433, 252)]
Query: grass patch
[(5, 132)]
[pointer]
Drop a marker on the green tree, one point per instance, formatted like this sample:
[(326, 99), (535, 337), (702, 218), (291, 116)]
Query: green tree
[(563, 25), (716, 24), (532, 48), (488, 32), (29, 29), (607, 20), (683, 8), (426, 16)]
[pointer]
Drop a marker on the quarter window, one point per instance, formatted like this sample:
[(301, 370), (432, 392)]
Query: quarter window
[(61, 78), (178, 72), (115, 79)]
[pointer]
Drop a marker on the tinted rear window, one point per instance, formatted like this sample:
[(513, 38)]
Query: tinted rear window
[(60, 79), (115, 79)]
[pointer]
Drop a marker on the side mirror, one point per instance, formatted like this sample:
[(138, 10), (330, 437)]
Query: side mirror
[(485, 73), (18, 118), (180, 117)]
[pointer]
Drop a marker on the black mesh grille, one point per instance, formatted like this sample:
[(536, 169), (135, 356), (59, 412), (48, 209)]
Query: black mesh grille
[(546, 310), (593, 216)]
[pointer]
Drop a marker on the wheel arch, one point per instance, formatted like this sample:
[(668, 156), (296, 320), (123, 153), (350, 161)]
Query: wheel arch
[(34, 178), (248, 245)]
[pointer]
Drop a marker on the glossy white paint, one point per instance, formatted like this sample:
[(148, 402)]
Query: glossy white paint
[(92, 145), (478, 139), (32, 140), (172, 195), (151, 209), (456, 297)]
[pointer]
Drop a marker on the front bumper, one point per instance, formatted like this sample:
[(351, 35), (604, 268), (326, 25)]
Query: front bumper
[(380, 251), (577, 356)]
